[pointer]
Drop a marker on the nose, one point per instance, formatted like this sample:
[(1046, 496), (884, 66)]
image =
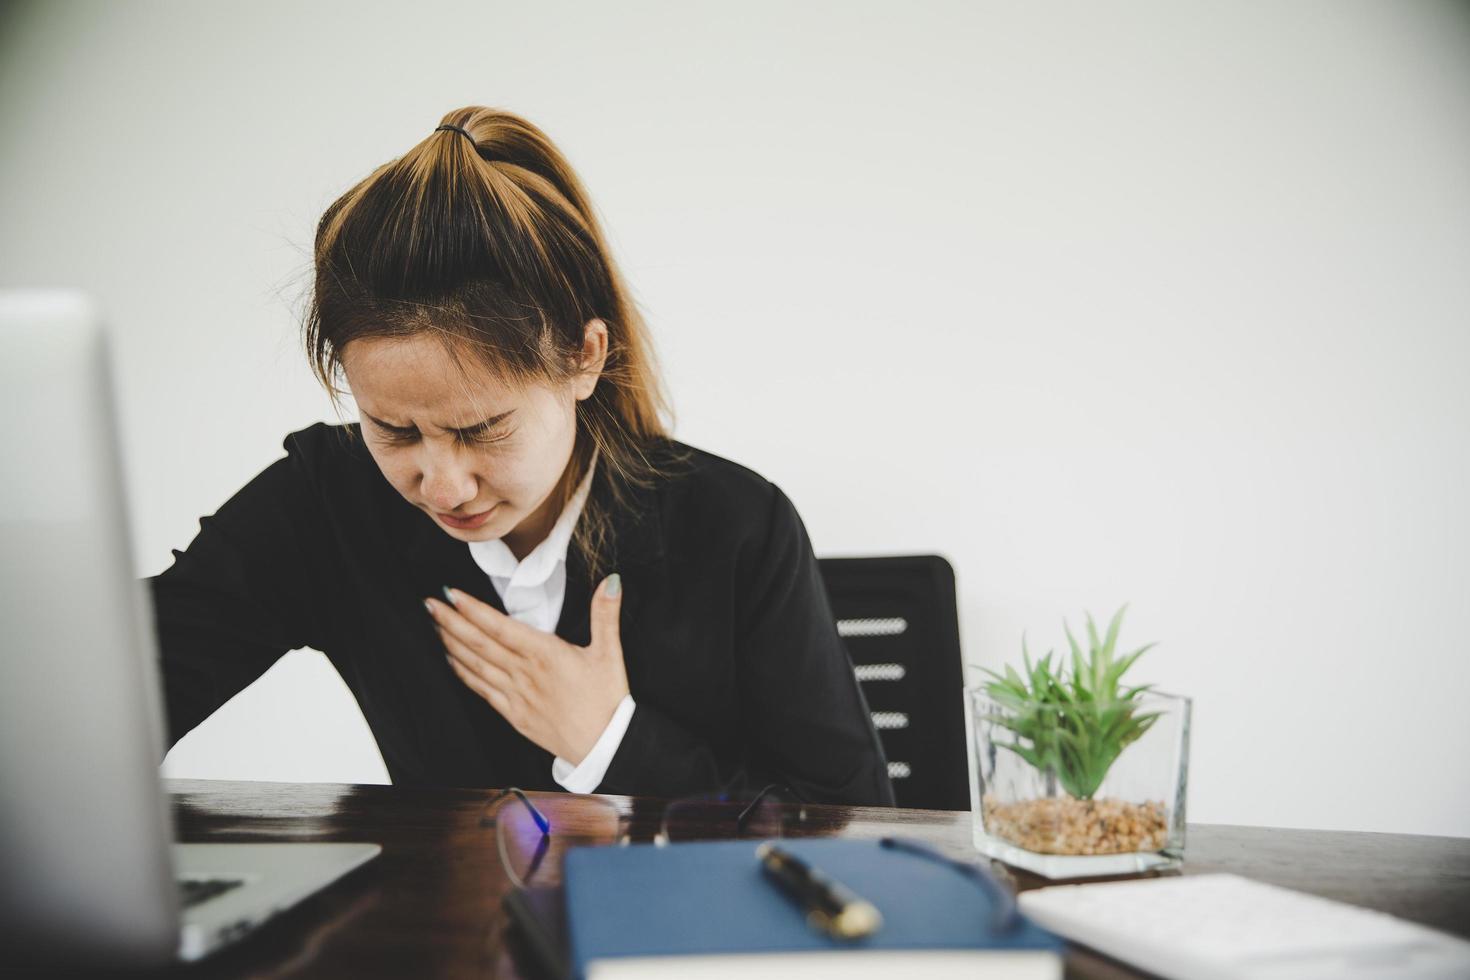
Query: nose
[(445, 480)]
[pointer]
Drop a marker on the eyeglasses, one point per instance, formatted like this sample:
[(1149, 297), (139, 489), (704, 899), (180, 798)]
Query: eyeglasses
[(526, 834), (773, 812)]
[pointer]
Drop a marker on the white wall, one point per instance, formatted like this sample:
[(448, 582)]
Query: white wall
[(1162, 302)]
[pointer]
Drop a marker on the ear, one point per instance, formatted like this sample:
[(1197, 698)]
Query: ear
[(594, 356)]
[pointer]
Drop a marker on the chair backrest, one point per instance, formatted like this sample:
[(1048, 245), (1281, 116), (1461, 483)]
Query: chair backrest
[(898, 618)]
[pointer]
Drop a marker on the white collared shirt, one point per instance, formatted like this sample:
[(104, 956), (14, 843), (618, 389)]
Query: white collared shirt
[(533, 590)]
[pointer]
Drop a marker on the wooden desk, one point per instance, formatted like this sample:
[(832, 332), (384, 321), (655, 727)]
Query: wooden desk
[(430, 904)]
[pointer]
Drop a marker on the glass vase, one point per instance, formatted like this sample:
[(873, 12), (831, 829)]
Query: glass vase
[(1060, 792)]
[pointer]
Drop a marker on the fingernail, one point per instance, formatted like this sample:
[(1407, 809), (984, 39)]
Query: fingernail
[(429, 606), (448, 595), (614, 585)]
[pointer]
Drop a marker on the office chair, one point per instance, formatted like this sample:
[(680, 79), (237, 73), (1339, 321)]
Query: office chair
[(898, 619)]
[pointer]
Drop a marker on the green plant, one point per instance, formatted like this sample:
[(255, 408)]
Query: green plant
[(1076, 724)]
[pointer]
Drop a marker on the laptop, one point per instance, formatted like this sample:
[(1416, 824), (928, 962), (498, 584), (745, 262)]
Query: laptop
[(90, 871)]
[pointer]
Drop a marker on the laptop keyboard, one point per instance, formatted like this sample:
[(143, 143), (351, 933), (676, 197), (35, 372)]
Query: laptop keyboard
[(192, 891)]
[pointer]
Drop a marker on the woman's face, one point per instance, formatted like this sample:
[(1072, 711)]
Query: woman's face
[(482, 458)]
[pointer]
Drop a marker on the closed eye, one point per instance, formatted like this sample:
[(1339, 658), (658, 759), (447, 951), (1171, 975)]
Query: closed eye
[(394, 433), (482, 438), (475, 435)]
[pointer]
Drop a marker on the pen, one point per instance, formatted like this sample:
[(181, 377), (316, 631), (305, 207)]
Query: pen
[(830, 906)]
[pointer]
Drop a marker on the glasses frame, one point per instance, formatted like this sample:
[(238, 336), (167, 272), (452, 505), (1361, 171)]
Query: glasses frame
[(490, 817), (543, 844), (663, 838)]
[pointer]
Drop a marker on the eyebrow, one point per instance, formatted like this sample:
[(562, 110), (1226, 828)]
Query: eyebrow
[(469, 430)]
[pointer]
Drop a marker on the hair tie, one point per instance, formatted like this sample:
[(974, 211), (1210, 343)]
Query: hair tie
[(458, 130)]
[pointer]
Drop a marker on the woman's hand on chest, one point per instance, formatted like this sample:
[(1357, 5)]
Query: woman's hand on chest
[(557, 694)]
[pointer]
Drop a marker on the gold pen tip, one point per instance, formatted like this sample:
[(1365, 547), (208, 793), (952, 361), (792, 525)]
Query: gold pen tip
[(858, 919)]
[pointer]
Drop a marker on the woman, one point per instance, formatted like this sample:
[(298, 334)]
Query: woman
[(520, 576)]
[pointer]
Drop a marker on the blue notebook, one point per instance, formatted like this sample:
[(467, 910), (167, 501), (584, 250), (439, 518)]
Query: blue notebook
[(641, 909)]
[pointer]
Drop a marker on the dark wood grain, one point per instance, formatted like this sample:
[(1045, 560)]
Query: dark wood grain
[(430, 904)]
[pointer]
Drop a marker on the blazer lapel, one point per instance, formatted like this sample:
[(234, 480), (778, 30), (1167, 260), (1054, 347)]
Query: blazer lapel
[(636, 541), (575, 622), (636, 528), (637, 552)]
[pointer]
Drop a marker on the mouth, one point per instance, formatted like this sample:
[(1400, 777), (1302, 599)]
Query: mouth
[(465, 523)]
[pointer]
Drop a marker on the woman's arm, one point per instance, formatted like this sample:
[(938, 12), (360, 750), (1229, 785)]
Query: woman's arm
[(805, 721), (240, 595)]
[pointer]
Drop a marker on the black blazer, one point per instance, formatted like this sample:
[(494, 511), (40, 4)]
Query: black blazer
[(731, 649)]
